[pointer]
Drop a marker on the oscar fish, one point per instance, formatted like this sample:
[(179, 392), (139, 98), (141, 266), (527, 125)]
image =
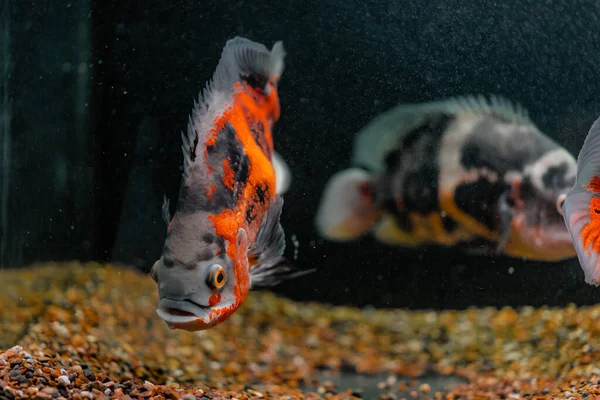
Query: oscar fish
[(225, 237), (581, 206), (468, 172)]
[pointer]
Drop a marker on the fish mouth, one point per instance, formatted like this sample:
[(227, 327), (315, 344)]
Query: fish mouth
[(541, 239), (176, 312)]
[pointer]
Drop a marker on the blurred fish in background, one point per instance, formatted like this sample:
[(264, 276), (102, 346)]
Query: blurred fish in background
[(467, 172)]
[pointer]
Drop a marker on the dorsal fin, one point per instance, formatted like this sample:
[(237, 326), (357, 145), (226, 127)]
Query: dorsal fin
[(241, 57), (497, 106), (383, 133)]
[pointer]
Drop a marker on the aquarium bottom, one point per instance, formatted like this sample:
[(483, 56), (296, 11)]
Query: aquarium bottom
[(91, 331)]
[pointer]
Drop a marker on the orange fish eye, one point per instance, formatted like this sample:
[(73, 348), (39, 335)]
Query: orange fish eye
[(216, 277)]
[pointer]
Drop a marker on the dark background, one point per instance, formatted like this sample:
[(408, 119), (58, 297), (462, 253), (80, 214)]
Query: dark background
[(101, 90)]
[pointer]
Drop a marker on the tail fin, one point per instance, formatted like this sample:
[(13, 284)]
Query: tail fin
[(283, 175), (347, 210)]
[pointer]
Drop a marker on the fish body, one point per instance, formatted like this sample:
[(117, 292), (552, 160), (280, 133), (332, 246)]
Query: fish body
[(581, 206), (225, 237), (463, 172)]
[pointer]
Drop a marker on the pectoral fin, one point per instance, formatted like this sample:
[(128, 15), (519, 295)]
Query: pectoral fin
[(271, 267)]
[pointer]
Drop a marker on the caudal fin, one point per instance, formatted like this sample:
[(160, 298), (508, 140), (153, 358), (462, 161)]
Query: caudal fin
[(346, 210), (283, 175), (576, 208)]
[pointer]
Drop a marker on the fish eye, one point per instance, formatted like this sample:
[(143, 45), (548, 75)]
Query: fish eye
[(560, 201), (216, 277)]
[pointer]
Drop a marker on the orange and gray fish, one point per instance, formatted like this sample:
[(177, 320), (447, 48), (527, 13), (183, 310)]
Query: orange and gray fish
[(581, 206), (225, 237), (467, 172)]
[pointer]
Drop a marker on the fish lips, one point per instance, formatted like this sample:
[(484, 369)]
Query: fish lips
[(185, 314), (549, 242)]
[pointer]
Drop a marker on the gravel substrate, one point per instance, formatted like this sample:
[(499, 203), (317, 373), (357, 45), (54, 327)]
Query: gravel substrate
[(83, 332)]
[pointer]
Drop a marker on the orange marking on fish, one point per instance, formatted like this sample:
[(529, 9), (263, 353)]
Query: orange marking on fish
[(228, 175), (218, 125), (170, 226), (594, 185), (226, 225), (210, 191), (591, 231), (260, 172), (211, 138), (214, 299)]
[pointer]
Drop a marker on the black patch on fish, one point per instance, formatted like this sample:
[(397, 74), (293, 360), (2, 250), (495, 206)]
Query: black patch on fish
[(243, 170), (251, 213), (211, 149), (193, 145), (392, 159), (261, 193), (229, 145), (526, 189), (500, 152), (208, 238), (471, 157), (204, 255), (410, 181), (194, 197), (449, 224), (479, 199), (434, 129), (555, 177), (255, 81), (415, 164), (257, 128), (420, 190)]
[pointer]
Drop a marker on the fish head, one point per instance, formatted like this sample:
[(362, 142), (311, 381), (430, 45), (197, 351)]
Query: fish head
[(537, 228), (202, 278)]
